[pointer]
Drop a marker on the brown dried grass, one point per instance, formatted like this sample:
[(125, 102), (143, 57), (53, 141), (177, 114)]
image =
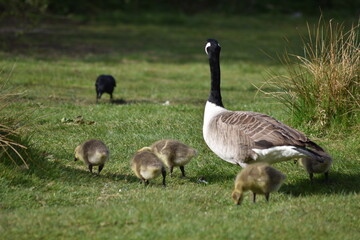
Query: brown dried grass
[(10, 138), (322, 86)]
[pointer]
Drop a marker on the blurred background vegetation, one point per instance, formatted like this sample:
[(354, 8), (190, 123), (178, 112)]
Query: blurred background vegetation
[(32, 9)]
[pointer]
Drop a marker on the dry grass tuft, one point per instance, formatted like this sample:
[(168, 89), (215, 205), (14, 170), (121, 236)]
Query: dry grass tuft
[(10, 145), (322, 87)]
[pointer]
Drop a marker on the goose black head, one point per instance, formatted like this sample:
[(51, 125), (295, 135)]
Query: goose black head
[(212, 46)]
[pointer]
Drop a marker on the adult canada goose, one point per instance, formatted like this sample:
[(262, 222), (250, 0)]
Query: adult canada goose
[(92, 153), (260, 178), (241, 137), (173, 153)]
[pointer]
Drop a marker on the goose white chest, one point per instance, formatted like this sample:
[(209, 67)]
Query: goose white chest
[(224, 151)]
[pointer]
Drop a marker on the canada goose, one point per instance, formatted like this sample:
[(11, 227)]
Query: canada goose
[(173, 153), (241, 137), (93, 153), (104, 84), (313, 166), (146, 165), (260, 178)]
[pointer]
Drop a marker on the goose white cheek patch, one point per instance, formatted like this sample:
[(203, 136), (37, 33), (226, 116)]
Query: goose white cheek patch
[(206, 46)]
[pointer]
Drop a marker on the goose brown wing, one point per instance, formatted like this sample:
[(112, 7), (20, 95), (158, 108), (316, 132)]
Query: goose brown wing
[(263, 130)]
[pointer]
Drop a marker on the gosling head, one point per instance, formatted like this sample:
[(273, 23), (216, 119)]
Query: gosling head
[(76, 153), (237, 196)]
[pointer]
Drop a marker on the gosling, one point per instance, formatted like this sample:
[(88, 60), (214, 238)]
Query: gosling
[(173, 153), (260, 178), (146, 165), (104, 84), (92, 153), (313, 166)]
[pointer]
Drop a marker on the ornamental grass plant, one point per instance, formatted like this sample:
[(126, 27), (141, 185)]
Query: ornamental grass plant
[(321, 87)]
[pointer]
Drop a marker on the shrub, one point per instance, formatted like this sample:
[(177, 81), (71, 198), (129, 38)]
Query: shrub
[(322, 87)]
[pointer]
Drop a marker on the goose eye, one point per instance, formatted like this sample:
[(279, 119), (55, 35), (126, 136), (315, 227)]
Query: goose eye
[(206, 47)]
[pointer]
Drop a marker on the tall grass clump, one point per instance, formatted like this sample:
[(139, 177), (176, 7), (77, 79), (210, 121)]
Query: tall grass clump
[(11, 146), (321, 87)]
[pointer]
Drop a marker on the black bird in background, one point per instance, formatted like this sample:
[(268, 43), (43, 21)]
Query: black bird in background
[(105, 84)]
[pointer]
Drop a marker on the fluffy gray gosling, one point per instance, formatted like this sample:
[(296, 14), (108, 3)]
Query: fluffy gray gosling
[(92, 153), (173, 153), (146, 165), (260, 178)]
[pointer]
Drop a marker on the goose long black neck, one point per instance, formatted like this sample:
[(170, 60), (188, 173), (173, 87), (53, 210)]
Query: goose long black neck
[(215, 93)]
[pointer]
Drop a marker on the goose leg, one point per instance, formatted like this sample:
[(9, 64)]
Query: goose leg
[(311, 175), (254, 197), (90, 168)]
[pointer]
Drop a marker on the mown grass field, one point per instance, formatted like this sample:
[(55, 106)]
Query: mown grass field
[(154, 60)]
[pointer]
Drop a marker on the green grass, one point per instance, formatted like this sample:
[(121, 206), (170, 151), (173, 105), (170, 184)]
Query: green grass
[(58, 198)]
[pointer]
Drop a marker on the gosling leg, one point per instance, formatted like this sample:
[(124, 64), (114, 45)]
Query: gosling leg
[(163, 172), (267, 196), (182, 168), (146, 182), (100, 168), (171, 170), (326, 177), (311, 175)]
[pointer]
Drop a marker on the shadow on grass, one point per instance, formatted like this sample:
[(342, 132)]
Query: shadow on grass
[(122, 101), (58, 170), (47, 170), (212, 178), (75, 176), (338, 183)]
